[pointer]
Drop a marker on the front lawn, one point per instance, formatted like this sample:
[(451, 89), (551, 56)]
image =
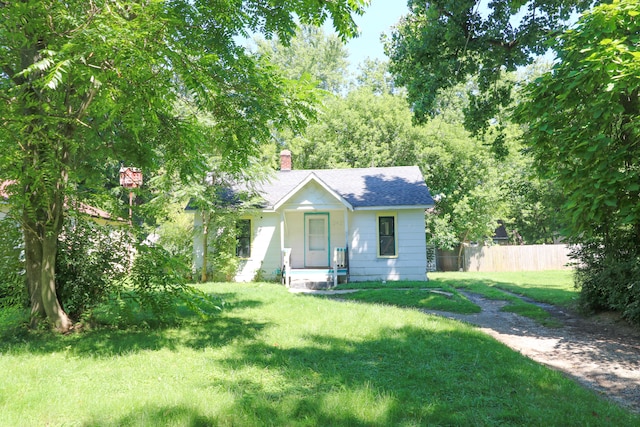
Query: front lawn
[(430, 299), (552, 287), (276, 358)]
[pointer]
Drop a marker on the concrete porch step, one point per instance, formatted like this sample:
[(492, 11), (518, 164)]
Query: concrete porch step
[(314, 278)]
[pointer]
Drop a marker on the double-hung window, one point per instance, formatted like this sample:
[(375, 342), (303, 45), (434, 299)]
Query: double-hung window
[(387, 242), (243, 238)]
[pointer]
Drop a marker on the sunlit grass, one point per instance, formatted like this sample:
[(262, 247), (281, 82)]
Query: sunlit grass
[(276, 358), (428, 299), (552, 287)]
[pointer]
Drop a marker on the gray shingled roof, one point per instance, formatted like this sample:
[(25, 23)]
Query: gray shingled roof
[(362, 188)]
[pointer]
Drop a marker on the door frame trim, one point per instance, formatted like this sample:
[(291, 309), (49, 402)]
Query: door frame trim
[(328, 219)]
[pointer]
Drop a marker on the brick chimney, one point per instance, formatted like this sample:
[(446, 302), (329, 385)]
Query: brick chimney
[(285, 160)]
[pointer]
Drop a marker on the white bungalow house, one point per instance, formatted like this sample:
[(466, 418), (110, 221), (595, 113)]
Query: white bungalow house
[(316, 227)]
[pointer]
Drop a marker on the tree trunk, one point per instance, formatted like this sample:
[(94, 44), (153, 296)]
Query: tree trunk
[(55, 314), (460, 251), (45, 141), (42, 219), (40, 256), (33, 267)]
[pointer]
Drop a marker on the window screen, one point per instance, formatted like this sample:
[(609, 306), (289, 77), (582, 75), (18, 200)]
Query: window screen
[(387, 235), (243, 238)]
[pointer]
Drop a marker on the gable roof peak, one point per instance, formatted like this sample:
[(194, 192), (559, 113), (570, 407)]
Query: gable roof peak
[(360, 188)]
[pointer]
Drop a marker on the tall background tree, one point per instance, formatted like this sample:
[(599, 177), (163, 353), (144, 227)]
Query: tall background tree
[(83, 82), (584, 134), (443, 43), (312, 53)]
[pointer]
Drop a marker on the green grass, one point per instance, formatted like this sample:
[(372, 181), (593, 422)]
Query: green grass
[(276, 358), (450, 301), (552, 287), (404, 284)]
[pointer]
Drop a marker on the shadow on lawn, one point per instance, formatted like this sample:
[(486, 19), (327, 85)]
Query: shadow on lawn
[(408, 375), (105, 341), (159, 416)]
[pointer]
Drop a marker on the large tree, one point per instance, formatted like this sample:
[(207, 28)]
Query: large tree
[(310, 53), (86, 82), (443, 43), (361, 129), (583, 127), (465, 181), (584, 132)]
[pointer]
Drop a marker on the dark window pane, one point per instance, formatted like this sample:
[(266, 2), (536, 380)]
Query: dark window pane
[(387, 238), (243, 238)]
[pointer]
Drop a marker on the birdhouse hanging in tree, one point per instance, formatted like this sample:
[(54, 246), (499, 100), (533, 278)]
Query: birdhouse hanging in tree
[(130, 177)]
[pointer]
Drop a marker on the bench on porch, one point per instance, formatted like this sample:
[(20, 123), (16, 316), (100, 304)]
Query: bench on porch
[(339, 268)]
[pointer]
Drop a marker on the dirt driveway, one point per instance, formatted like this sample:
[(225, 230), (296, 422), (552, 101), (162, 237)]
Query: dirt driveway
[(602, 352)]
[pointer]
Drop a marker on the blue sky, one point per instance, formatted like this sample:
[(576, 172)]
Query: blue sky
[(377, 19)]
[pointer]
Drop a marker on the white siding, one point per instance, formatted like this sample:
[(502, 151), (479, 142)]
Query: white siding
[(197, 241), (265, 243), (337, 231), (294, 237), (265, 248), (411, 260), (313, 197)]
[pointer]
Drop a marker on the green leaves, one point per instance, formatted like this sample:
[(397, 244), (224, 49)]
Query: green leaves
[(443, 43), (160, 85), (581, 120)]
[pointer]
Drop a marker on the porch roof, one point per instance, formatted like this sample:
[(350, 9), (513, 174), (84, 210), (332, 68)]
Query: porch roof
[(363, 188)]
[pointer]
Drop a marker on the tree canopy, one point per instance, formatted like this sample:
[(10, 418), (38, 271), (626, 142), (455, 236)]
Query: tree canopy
[(88, 83), (310, 53), (442, 43), (583, 131), (583, 120)]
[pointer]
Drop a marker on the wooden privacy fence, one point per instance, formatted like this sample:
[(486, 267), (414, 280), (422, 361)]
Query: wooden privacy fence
[(516, 258), (505, 258)]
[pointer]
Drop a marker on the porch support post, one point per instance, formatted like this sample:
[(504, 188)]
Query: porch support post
[(346, 243), (281, 231), (286, 268), (346, 228)]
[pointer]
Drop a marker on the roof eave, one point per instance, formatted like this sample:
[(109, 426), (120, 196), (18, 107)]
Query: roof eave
[(391, 207)]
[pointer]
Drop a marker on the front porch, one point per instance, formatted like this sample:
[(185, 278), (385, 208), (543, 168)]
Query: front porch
[(316, 278)]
